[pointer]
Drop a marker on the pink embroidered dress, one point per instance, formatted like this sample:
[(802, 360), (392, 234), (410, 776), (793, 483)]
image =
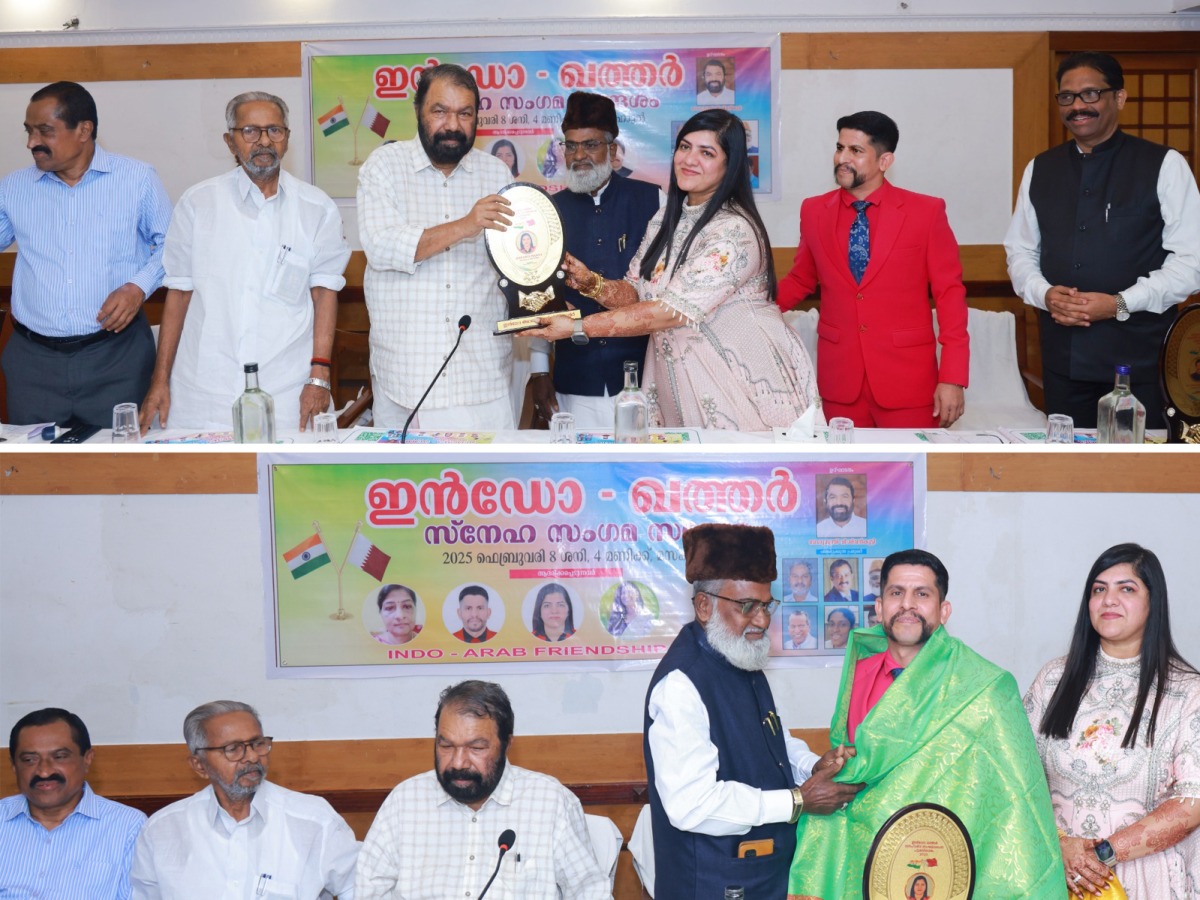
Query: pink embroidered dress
[(731, 362), (1098, 788)]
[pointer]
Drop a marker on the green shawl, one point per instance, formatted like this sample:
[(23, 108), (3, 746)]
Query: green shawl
[(951, 731)]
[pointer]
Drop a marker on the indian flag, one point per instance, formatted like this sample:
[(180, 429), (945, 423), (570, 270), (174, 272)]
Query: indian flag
[(307, 556), (368, 557), (333, 120)]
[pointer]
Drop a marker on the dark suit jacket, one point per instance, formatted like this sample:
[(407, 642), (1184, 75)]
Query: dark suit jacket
[(836, 598), (884, 325)]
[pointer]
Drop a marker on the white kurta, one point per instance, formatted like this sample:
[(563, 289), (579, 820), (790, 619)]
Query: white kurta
[(250, 263)]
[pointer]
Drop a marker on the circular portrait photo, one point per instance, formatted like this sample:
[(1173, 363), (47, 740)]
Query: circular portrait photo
[(839, 622), (550, 612), (628, 610), (473, 613), (393, 614), (920, 887)]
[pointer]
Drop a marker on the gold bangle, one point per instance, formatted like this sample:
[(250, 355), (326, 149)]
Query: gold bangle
[(594, 292)]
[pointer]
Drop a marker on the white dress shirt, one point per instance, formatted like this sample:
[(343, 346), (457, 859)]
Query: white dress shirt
[(685, 768), (291, 845), (724, 98), (424, 845), (250, 263), (855, 528), (415, 306), (1157, 292), (809, 643)]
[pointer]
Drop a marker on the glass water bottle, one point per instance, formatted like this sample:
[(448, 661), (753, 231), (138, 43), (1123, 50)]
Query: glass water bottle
[(632, 420), (1120, 417), (253, 412)]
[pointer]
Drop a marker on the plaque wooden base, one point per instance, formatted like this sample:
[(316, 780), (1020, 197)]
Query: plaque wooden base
[(524, 323)]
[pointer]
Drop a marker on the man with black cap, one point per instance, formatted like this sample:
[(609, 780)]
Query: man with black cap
[(727, 782), (604, 219)]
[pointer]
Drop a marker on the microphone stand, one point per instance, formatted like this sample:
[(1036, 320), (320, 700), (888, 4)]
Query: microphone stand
[(463, 324)]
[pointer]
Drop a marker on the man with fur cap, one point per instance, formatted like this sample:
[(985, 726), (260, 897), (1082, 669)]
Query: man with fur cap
[(604, 220), (727, 782)]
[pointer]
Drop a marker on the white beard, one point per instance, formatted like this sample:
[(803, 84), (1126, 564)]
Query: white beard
[(584, 181), (748, 655)]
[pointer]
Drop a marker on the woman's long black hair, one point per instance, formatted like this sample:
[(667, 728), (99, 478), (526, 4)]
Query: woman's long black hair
[(734, 191), (1159, 658)]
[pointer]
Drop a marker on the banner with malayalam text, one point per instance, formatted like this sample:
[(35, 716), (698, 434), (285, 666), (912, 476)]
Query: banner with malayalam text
[(360, 95), (475, 560)]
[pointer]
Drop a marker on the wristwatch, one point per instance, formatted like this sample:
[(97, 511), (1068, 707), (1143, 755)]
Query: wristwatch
[(579, 336), (1104, 850), (1122, 309), (797, 806), (321, 383)]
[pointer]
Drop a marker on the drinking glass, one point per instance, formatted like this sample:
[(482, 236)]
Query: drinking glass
[(1060, 429), (841, 430), (562, 428), (125, 428), (325, 428)]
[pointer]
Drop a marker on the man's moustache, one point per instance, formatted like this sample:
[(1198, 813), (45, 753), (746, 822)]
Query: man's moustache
[(41, 149), (253, 768), (38, 779), (1082, 114), (462, 775), (454, 137)]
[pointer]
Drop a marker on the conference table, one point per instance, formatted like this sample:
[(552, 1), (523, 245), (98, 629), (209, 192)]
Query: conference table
[(366, 437)]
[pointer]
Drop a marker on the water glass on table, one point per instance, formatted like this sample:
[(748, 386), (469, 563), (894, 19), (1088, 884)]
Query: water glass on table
[(841, 430), (1060, 429), (325, 428), (125, 429), (562, 428)]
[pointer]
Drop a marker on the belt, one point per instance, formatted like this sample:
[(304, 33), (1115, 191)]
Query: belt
[(62, 344)]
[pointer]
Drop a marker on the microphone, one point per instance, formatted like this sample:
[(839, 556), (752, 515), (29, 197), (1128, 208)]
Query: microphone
[(508, 837), (463, 324)]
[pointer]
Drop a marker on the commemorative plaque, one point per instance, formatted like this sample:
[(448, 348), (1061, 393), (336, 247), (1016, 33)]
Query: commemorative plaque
[(923, 852), (1179, 376), (529, 257)]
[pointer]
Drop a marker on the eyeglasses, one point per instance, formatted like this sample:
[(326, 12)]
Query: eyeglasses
[(750, 607), (251, 133), (589, 147), (236, 751), (1089, 95)]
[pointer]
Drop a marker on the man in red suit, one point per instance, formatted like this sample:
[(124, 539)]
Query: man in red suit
[(877, 251)]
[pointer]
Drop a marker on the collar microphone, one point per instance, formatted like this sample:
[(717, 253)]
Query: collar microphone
[(463, 324)]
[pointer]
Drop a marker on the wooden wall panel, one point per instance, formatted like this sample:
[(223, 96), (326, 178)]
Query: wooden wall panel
[(69, 471), (151, 62)]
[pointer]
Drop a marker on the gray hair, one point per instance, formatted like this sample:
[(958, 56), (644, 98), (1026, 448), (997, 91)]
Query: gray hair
[(231, 107), (711, 586), (194, 722)]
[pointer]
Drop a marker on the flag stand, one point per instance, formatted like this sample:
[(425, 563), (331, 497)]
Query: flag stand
[(341, 614), (357, 162)]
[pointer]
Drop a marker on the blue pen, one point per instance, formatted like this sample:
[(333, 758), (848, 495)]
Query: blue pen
[(262, 884)]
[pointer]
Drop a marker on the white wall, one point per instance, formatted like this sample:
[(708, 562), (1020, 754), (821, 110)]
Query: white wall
[(130, 610), (102, 21), (177, 126)]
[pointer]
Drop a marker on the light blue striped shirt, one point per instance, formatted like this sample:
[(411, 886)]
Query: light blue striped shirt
[(76, 245), (87, 857)]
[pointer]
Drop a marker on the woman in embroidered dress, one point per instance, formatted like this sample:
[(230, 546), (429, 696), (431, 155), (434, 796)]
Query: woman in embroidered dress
[(1117, 722), (702, 285)]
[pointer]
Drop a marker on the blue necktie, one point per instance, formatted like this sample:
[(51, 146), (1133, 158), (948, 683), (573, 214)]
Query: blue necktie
[(860, 240), (896, 673)]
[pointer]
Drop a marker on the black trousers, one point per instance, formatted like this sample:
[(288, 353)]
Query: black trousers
[(79, 386)]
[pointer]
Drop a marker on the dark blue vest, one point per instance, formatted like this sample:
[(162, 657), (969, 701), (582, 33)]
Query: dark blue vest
[(605, 238), (1101, 229), (690, 866)]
